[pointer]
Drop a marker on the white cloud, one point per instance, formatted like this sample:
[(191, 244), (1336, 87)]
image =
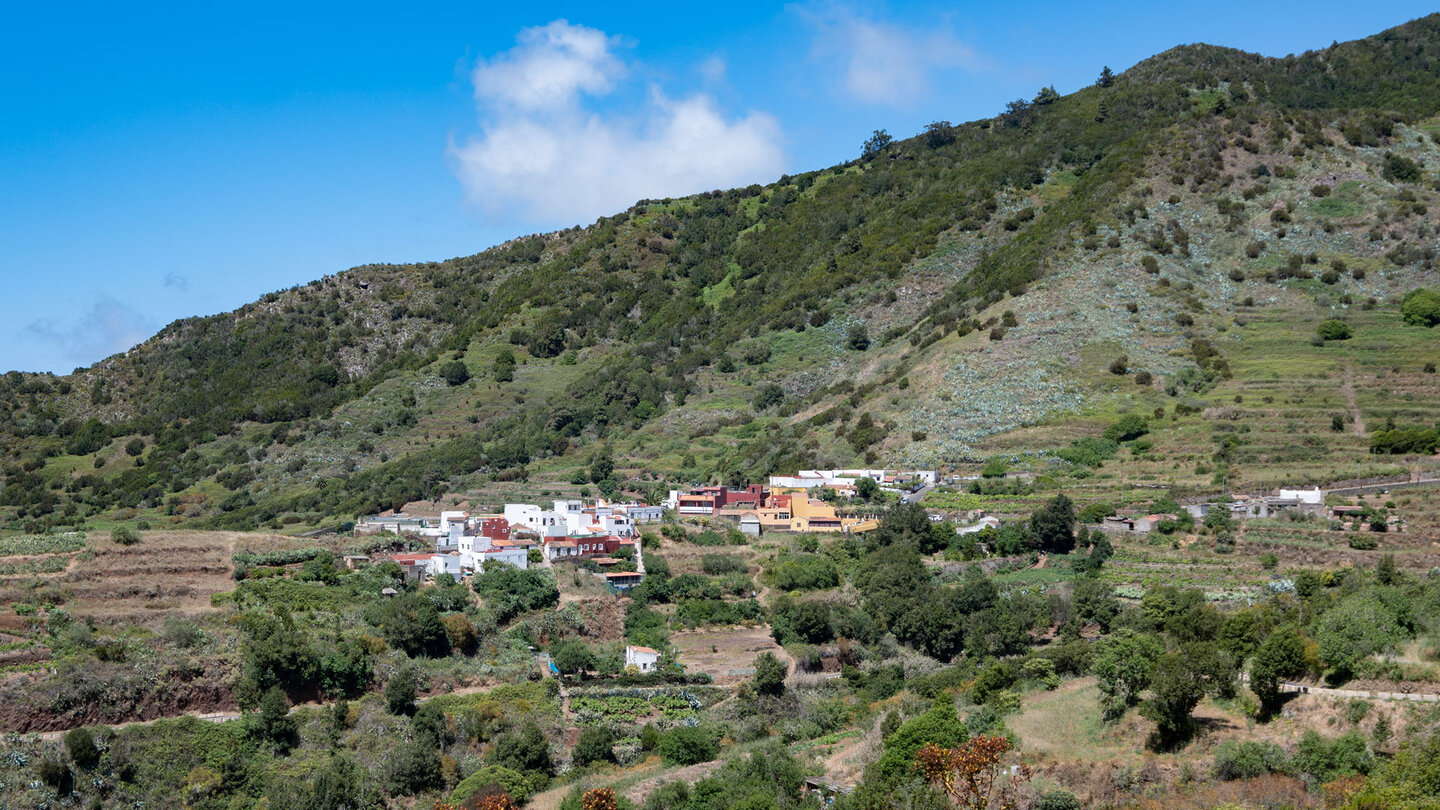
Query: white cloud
[(549, 66), (108, 327), (712, 69), (882, 63), (547, 154)]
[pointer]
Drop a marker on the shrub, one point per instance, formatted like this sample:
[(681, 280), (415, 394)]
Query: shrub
[(1402, 169), (1057, 800), (496, 777), (1421, 307), (81, 746), (400, 692), (596, 744), (1333, 329), (455, 372), (1130, 426), (1120, 365), (125, 536), (689, 745), (769, 674), (1143, 378), (768, 396), (1247, 759), (1361, 542), (858, 339)]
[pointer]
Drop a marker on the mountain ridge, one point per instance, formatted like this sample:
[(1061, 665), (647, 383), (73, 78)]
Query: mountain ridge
[(1058, 193)]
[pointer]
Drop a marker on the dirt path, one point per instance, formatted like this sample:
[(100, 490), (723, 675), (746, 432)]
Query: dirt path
[(1359, 422)]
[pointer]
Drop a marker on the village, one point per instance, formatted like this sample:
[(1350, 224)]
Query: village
[(606, 533)]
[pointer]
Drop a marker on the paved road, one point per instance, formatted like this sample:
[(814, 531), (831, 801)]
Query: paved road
[(915, 497)]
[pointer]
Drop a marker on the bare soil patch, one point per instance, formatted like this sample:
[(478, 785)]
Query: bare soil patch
[(726, 654)]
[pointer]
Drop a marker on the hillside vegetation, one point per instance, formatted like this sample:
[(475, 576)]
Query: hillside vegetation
[(1165, 242)]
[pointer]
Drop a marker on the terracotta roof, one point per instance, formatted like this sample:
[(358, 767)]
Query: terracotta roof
[(645, 650), (623, 574)]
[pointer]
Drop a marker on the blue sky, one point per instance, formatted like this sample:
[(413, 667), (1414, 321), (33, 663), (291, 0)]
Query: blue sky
[(161, 161)]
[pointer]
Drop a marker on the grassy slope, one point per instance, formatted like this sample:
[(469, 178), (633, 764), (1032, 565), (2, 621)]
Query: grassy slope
[(906, 245)]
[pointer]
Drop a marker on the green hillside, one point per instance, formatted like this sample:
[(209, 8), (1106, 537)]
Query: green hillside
[(962, 294)]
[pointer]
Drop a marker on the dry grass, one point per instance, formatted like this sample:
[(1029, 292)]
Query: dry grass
[(725, 654)]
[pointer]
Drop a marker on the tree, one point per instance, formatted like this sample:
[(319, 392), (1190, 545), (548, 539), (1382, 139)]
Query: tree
[(1386, 573), (504, 367), (768, 396), (596, 744), (80, 744), (1054, 525), (769, 674), (939, 726), (134, 447), (1176, 688), (411, 623), (1100, 551), (875, 144), (1402, 169), (1047, 95), (572, 657), (1421, 307), (1281, 656), (1107, 77), (858, 338), (412, 767), (548, 340), (602, 465), (971, 774), (455, 373), (524, 750), (1362, 625), (1094, 601), (400, 691), (939, 133), (509, 591), (1123, 665), (275, 723), (866, 488)]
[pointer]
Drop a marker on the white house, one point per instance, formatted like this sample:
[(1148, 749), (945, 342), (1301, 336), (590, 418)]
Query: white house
[(513, 557), (642, 658), (447, 564), (543, 522), (644, 513)]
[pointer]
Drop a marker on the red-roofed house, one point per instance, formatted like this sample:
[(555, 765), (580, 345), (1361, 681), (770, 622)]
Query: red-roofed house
[(642, 658)]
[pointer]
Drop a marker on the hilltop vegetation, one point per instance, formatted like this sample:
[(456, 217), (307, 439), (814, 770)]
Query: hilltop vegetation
[(909, 306), (1209, 275)]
